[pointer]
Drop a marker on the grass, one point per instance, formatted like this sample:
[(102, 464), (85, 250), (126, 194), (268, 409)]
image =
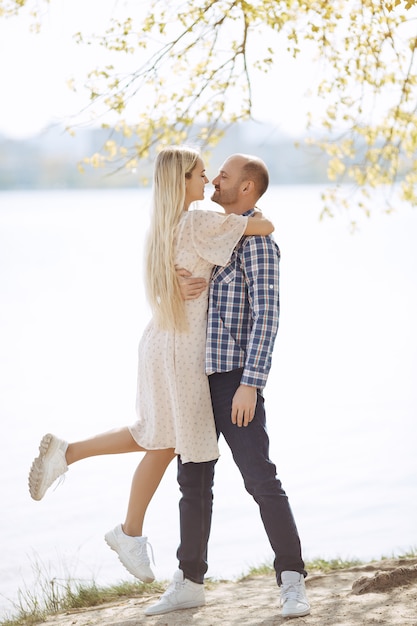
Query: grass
[(317, 565), (325, 566), (54, 595)]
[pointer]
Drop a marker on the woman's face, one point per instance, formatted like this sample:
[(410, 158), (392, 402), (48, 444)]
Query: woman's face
[(194, 186)]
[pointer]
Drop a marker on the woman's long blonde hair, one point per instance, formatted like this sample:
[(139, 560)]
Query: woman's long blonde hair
[(173, 165)]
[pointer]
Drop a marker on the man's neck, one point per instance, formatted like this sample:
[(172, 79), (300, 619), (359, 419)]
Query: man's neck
[(238, 210)]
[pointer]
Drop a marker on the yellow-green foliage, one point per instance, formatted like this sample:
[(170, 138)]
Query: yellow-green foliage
[(189, 61)]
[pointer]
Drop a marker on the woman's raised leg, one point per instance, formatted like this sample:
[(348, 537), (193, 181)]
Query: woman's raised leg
[(56, 454), (117, 441)]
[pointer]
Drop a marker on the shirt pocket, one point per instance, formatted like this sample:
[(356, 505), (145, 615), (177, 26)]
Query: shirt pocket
[(226, 275)]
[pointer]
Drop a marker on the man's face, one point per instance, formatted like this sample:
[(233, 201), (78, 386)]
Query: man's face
[(227, 183)]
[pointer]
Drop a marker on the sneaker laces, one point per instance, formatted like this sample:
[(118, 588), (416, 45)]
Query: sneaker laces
[(146, 543), (292, 591), (60, 481), (140, 550), (175, 586)]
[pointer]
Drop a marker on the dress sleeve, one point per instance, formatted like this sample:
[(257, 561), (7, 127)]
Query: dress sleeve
[(215, 235)]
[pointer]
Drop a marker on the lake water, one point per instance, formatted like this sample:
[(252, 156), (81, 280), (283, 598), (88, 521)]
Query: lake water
[(341, 398)]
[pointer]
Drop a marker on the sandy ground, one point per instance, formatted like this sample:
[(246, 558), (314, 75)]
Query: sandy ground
[(383, 593)]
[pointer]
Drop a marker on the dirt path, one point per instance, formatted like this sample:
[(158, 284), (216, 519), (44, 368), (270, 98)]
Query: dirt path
[(383, 594)]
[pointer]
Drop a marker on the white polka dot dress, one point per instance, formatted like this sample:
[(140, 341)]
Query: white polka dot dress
[(173, 398)]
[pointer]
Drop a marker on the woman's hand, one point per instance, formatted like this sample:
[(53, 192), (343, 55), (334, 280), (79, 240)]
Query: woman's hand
[(191, 287)]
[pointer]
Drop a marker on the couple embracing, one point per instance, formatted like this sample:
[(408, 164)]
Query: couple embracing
[(212, 280)]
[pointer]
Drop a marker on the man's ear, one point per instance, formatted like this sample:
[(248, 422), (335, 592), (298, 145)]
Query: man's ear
[(248, 186)]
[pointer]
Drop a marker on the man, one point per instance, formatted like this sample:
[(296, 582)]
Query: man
[(242, 326)]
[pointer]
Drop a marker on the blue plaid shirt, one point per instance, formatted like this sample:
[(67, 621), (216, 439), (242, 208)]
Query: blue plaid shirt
[(243, 311)]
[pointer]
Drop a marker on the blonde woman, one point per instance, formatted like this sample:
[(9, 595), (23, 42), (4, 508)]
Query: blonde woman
[(174, 411)]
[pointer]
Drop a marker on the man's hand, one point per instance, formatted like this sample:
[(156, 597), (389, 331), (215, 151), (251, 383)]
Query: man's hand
[(191, 287), (243, 405)]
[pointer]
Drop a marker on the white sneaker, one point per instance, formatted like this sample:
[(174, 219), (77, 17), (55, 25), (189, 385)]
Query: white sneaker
[(48, 466), (181, 594), (293, 595), (132, 553)]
